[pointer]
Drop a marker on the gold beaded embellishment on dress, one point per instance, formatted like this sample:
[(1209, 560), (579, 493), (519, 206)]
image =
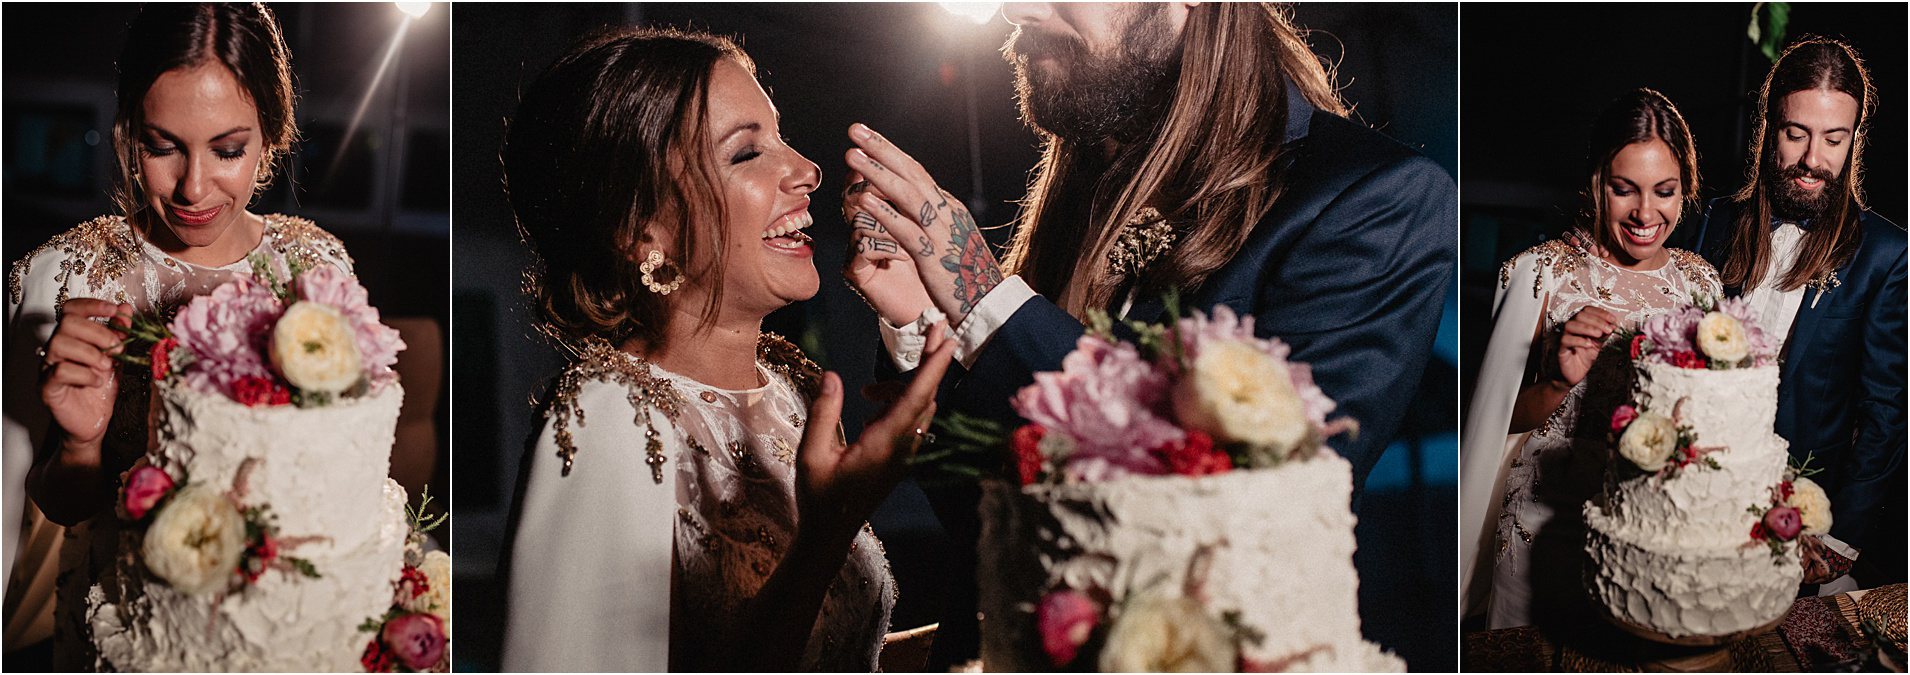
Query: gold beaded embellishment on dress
[(647, 392), (106, 241)]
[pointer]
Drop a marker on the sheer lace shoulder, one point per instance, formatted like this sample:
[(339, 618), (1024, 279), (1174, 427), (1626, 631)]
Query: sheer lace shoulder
[(94, 253)]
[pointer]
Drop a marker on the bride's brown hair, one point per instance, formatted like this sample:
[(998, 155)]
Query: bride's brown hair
[(607, 149), (243, 37), (1637, 116)]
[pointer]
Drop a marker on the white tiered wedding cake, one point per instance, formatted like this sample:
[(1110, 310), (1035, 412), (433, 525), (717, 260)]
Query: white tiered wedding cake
[(1678, 541)]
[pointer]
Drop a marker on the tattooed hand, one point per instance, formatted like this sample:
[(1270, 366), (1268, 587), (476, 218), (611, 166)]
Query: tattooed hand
[(932, 227), (876, 266)]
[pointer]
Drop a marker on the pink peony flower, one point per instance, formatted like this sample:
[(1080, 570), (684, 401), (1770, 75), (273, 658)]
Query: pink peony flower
[(1763, 348), (144, 488), (1622, 417), (1110, 402), (1066, 619), (1672, 331), (378, 344), (1783, 523), (226, 332), (416, 639)]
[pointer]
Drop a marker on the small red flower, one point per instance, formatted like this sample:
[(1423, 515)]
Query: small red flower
[(162, 357), (1783, 523), (1757, 531), (145, 487), (253, 390), (1026, 442), (1637, 345), (375, 659), (412, 584), (1194, 455), (416, 639), (260, 555), (1691, 360), (1784, 491), (1622, 418)]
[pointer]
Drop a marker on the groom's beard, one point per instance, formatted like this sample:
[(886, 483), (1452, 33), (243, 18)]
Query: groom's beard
[(1094, 97), (1791, 202)]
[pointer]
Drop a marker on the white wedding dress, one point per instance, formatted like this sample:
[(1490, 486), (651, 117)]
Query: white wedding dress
[(104, 259), (655, 507), (1522, 535)]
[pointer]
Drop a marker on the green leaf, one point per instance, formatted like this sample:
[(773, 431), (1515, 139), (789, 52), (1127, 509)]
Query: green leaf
[(303, 566)]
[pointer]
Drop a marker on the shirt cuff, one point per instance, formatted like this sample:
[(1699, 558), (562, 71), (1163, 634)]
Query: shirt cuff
[(990, 314), (1841, 548), (906, 343)]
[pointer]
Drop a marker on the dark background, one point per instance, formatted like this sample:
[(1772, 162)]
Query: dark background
[(1537, 75), (387, 197), (933, 83)]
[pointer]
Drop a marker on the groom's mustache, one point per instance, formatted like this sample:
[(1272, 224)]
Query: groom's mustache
[(1025, 44)]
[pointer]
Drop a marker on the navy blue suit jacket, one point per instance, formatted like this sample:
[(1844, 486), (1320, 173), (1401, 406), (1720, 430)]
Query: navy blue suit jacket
[(1351, 268), (1840, 397)]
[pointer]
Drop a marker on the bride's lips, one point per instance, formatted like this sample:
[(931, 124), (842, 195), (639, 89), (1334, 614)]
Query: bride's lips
[(1643, 235), (196, 217), (785, 236)]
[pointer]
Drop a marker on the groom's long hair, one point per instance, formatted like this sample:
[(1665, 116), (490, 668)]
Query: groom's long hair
[(1814, 63), (1210, 164)]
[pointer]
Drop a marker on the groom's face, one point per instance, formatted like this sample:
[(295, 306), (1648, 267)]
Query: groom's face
[(1814, 135), (1091, 71)]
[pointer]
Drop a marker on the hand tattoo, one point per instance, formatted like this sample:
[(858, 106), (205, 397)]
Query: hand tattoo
[(928, 215), (970, 260), (881, 245), (927, 248), (864, 221)]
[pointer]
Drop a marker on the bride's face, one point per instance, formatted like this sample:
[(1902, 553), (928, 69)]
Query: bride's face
[(1643, 199), (199, 150), (765, 185)]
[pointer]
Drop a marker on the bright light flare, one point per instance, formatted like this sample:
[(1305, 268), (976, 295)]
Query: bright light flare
[(977, 12), (414, 10)]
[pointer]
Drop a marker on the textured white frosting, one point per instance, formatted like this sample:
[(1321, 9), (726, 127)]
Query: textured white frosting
[(1676, 555), (1281, 541), (323, 474)]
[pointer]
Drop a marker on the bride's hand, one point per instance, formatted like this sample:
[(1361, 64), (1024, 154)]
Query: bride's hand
[(78, 377), (876, 266), (838, 486), (1579, 342)]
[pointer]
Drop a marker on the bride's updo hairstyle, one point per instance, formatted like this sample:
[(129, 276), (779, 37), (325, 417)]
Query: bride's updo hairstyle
[(243, 37), (608, 151), (1638, 116)]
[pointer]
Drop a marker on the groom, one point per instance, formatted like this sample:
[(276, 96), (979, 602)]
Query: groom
[(1799, 244), (1190, 146)]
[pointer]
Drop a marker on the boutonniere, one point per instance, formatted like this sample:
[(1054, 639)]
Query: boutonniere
[(1142, 240), (1823, 283)]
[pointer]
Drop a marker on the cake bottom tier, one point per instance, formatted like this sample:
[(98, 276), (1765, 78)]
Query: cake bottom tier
[(281, 623), (1685, 592), (1276, 547)]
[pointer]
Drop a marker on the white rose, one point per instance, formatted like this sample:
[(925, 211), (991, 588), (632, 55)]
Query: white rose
[(436, 600), (1168, 635), (1237, 392), (1812, 504), (316, 349), (1722, 337), (195, 541), (1649, 440)]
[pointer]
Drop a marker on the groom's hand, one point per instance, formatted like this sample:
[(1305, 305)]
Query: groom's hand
[(932, 227), (876, 266)]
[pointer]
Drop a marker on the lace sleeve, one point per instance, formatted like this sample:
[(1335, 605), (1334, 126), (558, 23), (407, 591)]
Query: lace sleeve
[(591, 569)]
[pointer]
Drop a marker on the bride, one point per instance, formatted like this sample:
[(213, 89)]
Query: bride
[(199, 130), (1535, 435), (688, 504)]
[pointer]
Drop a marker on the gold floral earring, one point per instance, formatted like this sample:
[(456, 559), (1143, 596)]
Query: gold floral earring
[(654, 262)]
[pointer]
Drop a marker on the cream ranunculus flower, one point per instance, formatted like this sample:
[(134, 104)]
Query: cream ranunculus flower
[(437, 599), (1237, 392), (316, 349), (1812, 504), (195, 541), (1722, 337), (1648, 441), (1157, 634)]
